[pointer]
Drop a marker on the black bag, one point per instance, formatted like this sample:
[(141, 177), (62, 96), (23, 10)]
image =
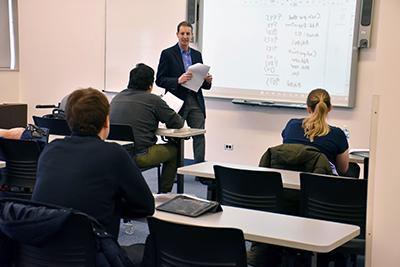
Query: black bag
[(57, 113), (36, 133)]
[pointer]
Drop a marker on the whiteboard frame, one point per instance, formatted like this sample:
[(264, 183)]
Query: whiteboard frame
[(353, 70)]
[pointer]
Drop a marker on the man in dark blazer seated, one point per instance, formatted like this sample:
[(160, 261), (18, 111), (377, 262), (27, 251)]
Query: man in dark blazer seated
[(173, 72)]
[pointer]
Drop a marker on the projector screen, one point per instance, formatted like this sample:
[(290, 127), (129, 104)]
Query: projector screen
[(276, 51)]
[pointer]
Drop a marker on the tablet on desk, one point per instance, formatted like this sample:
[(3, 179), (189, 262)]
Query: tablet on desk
[(189, 206)]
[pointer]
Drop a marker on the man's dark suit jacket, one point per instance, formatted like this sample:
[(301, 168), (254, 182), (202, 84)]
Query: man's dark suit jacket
[(171, 68)]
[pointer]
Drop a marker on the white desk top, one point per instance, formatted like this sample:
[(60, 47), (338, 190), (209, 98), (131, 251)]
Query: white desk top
[(2, 164), (290, 179), (274, 228), (356, 158), (122, 143), (180, 133)]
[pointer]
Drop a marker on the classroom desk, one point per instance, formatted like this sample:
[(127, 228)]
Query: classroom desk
[(273, 228), (2, 164), (122, 143), (180, 135), (290, 179), (356, 159)]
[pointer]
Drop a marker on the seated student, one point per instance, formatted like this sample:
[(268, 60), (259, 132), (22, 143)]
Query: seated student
[(88, 174), (315, 131), (138, 107), (311, 131)]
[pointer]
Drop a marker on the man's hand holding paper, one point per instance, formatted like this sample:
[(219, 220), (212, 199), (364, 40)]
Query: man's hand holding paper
[(198, 73)]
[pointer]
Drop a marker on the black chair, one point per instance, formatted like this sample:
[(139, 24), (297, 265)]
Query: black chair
[(338, 199), (124, 132), (366, 167), (259, 190), (19, 176), (187, 246), (55, 126), (72, 246), (353, 170)]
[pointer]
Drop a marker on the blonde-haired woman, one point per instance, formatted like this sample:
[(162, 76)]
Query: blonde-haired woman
[(314, 130)]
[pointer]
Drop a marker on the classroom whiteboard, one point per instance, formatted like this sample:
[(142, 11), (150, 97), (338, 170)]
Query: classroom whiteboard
[(279, 50)]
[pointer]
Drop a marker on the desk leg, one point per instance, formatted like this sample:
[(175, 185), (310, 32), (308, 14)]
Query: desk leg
[(211, 191), (181, 158), (314, 259)]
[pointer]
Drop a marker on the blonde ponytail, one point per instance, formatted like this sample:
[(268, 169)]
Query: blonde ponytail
[(315, 124)]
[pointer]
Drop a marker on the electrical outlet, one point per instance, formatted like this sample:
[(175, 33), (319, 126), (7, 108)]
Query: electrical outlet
[(228, 147)]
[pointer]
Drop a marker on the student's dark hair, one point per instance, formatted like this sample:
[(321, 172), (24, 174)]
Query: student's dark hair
[(315, 124), (184, 24), (141, 77), (86, 111)]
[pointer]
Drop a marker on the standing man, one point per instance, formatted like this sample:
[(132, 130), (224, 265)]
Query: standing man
[(173, 72)]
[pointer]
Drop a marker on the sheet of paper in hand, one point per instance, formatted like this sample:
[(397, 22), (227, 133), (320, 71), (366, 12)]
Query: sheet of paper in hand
[(199, 71)]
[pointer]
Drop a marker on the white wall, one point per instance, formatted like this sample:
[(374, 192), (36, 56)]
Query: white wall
[(62, 48), (386, 167), (133, 35), (9, 86)]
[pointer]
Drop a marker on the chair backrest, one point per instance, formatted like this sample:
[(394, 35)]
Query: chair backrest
[(73, 246), (186, 245), (353, 170), (21, 158), (366, 167), (48, 235), (334, 199), (55, 126), (122, 132), (259, 190)]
